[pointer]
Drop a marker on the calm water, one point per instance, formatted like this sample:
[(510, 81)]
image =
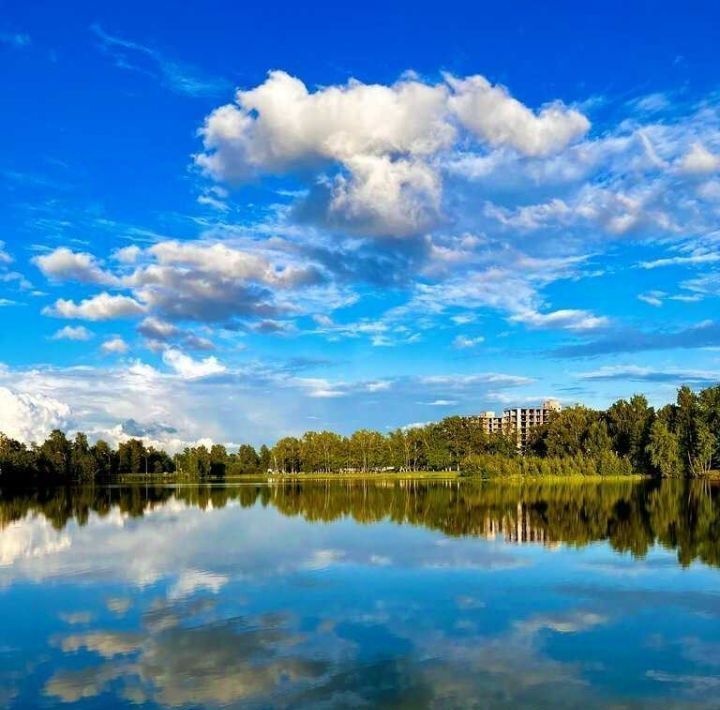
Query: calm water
[(344, 595)]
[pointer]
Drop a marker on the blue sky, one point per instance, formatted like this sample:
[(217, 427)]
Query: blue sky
[(235, 222)]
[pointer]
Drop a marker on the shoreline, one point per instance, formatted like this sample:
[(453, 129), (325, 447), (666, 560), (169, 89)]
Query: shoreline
[(448, 476)]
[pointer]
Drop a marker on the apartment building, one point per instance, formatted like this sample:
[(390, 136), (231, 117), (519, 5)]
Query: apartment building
[(521, 420)]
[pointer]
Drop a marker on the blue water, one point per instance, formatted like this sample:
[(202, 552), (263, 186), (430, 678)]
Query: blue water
[(169, 600)]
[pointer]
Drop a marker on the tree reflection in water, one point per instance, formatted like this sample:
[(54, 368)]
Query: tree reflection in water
[(632, 516)]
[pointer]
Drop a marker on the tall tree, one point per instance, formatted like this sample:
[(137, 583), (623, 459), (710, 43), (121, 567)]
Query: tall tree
[(629, 424), (663, 450)]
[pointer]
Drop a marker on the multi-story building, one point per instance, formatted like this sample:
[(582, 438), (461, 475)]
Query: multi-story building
[(520, 420), (490, 423)]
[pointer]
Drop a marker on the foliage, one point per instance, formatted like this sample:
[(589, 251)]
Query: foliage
[(681, 439)]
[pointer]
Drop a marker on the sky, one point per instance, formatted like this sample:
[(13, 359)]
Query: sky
[(235, 222)]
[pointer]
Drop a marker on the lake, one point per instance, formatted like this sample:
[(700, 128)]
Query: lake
[(362, 593)]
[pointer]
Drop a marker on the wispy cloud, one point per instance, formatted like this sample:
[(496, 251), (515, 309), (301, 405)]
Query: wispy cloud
[(702, 335), (16, 40), (649, 374), (177, 76)]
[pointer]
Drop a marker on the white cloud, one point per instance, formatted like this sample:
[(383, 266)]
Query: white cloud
[(70, 332), (177, 76), (320, 388), (101, 307), (280, 125), (115, 346), (127, 255), (382, 140), (652, 298), (616, 212), (5, 258), (570, 319), (30, 417), (463, 342), (223, 261), (200, 281), (699, 161), (488, 378), (63, 264), (496, 117), (699, 257), (385, 197), (191, 369)]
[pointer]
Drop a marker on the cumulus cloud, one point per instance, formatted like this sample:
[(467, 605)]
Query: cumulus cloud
[(191, 369), (116, 346), (382, 141), (384, 197), (699, 161), (63, 264), (104, 306), (127, 255), (70, 332), (194, 281), (492, 114), (280, 125), (30, 417)]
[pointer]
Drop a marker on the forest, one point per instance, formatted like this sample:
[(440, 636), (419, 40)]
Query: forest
[(681, 439)]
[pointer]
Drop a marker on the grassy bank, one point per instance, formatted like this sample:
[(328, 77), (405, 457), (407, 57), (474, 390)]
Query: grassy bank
[(380, 477)]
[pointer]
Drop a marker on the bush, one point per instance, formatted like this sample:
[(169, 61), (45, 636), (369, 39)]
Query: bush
[(607, 463)]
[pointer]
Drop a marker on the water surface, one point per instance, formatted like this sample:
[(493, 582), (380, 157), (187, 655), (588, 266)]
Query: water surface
[(351, 594)]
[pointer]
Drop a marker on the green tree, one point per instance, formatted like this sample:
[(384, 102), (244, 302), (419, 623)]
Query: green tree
[(663, 450), (697, 442), (54, 456), (83, 462), (106, 463), (245, 461), (265, 459), (285, 455), (218, 461), (629, 424), (367, 449), (17, 462)]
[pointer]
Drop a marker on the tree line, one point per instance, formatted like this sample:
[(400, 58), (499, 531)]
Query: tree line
[(679, 439)]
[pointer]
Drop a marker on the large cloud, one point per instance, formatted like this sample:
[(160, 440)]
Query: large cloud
[(104, 306), (200, 281), (63, 263), (30, 417), (491, 114), (381, 141)]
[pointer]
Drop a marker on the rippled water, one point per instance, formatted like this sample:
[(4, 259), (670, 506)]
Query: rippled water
[(354, 594)]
